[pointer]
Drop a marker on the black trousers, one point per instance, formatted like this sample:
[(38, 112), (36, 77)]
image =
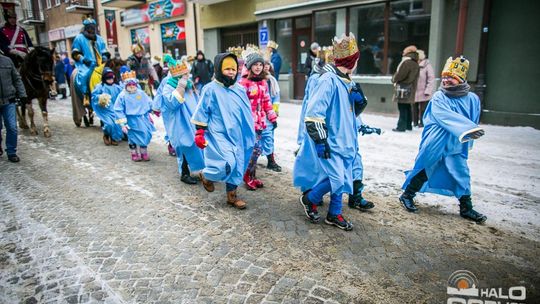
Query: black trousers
[(405, 117), (418, 111)]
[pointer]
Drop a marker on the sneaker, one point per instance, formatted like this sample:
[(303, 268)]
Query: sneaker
[(13, 158), (361, 204), (338, 221), (188, 179), (310, 209)]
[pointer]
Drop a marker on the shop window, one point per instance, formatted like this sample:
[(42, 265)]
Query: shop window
[(283, 39), (329, 24), (239, 36), (141, 35), (367, 23), (60, 47), (173, 36)]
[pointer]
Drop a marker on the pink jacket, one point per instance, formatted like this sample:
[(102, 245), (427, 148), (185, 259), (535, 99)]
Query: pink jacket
[(426, 82), (261, 106)]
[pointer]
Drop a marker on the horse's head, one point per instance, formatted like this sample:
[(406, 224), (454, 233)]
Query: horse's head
[(115, 64), (40, 61)]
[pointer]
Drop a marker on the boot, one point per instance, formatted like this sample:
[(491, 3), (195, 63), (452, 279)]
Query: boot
[(114, 143), (106, 140), (134, 154), (171, 150), (258, 183), (466, 210), (207, 184), (416, 183), (144, 154), (407, 200), (272, 165), (248, 180), (186, 174), (356, 201), (234, 201)]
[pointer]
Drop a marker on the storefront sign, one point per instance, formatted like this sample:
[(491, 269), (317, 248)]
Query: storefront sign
[(173, 31), (154, 11), (56, 34), (110, 24), (72, 30), (141, 35)]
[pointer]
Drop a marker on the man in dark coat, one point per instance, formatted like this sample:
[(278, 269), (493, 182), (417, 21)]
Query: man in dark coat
[(202, 71), (404, 81)]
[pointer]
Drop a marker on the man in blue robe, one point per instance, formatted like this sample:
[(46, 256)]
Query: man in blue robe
[(225, 129), (89, 50), (325, 160), (103, 98), (178, 103), (450, 124)]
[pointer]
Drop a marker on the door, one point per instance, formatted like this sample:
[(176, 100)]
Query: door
[(301, 42)]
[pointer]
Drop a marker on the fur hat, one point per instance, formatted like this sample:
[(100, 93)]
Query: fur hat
[(456, 68), (421, 55), (409, 49)]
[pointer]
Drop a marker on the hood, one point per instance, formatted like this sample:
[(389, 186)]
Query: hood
[(423, 63), (218, 62), (200, 53)]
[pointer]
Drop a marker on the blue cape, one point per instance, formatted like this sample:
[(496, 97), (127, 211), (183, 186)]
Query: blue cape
[(83, 45), (134, 109), (107, 115)]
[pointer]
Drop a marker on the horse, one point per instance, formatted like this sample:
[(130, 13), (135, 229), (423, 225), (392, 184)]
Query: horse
[(80, 111), (37, 75)]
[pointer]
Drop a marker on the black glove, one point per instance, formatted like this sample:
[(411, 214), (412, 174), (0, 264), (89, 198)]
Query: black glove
[(365, 129), (274, 124), (87, 62)]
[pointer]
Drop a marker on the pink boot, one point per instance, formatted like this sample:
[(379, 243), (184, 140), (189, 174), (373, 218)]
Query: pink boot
[(135, 156), (144, 154)]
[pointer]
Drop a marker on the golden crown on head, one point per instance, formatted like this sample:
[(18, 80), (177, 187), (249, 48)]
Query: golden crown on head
[(456, 68), (236, 50), (327, 54), (250, 49), (179, 69), (129, 75), (344, 46)]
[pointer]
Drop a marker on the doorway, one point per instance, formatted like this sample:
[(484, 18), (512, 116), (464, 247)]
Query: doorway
[(301, 40)]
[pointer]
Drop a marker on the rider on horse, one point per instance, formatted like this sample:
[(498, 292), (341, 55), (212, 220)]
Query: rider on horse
[(90, 52), (144, 69), (14, 40)]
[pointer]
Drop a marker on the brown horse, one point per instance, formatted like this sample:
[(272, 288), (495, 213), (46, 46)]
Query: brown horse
[(80, 111), (37, 76)]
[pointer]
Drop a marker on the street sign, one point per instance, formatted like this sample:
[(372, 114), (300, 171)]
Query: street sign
[(263, 36)]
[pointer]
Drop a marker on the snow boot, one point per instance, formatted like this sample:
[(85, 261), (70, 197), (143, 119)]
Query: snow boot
[(258, 183), (248, 180), (144, 154), (416, 183), (186, 174), (466, 210), (233, 200), (356, 201), (134, 154), (272, 165), (106, 140)]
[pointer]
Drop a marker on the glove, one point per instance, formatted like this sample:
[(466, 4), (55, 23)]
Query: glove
[(157, 113), (358, 99), (104, 100), (323, 150), (275, 106), (87, 62), (200, 141), (274, 124), (125, 129), (478, 134), (365, 129)]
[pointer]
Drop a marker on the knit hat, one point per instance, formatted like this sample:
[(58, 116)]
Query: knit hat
[(346, 51), (107, 74), (456, 68), (315, 47), (251, 56), (229, 63)]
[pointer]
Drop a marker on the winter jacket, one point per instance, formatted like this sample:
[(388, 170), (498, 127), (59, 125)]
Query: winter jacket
[(426, 82), (261, 106), (203, 70), (275, 59), (11, 85), (68, 68), (59, 72), (407, 73)]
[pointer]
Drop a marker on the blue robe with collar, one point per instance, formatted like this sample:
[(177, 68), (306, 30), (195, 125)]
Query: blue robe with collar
[(181, 132), (134, 110), (444, 148), (329, 103), (106, 114), (84, 46), (226, 112)]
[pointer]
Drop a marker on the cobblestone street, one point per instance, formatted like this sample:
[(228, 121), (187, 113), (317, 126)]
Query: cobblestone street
[(82, 223)]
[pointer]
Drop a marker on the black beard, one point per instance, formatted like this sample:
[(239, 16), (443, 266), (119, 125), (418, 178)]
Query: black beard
[(89, 36)]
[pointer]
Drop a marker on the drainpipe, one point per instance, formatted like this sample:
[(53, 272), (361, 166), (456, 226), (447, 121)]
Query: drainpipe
[(462, 23), (196, 26), (481, 85)]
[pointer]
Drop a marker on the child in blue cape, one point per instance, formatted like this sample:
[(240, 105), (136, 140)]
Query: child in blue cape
[(450, 124), (225, 129), (103, 100), (132, 110), (179, 100)]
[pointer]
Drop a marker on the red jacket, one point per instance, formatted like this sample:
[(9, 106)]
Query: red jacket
[(261, 105)]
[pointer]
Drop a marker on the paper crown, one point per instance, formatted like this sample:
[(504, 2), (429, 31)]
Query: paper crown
[(328, 54), (138, 47), (129, 75), (272, 44), (236, 50), (456, 68), (344, 46), (177, 68)]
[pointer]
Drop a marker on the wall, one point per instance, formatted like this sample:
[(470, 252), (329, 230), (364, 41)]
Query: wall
[(227, 13), (211, 43), (57, 17)]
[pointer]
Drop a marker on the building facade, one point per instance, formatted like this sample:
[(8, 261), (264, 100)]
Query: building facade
[(30, 16)]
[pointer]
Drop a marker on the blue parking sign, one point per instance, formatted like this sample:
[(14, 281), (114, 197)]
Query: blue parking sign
[(263, 36)]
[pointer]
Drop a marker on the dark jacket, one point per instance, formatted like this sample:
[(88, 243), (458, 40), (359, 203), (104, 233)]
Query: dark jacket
[(407, 73), (59, 72), (275, 59), (11, 85), (203, 70)]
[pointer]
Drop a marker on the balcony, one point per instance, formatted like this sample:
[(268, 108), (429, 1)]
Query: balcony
[(30, 17), (122, 3), (80, 6)]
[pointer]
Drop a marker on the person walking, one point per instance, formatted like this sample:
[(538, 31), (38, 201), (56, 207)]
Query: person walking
[(11, 89), (424, 89), (404, 81), (60, 76), (202, 71), (275, 57)]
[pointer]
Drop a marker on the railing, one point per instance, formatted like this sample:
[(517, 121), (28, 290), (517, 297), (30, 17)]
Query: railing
[(82, 3), (31, 15)]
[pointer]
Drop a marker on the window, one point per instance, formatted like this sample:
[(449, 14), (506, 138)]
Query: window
[(329, 24), (367, 23), (283, 39), (56, 2), (173, 36), (49, 4)]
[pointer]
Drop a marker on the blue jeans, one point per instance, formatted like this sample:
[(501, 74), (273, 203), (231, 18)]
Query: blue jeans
[(316, 194), (9, 116)]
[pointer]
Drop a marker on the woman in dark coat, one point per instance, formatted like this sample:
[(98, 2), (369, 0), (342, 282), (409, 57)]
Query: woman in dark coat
[(406, 78)]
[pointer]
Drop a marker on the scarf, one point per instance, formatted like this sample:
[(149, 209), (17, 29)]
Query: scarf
[(459, 90)]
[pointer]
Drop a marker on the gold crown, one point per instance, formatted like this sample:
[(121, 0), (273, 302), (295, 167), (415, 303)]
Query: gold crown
[(179, 69), (327, 54), (236, 50), (129, 75), (456, 68), (344, 46), (272, 44)]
